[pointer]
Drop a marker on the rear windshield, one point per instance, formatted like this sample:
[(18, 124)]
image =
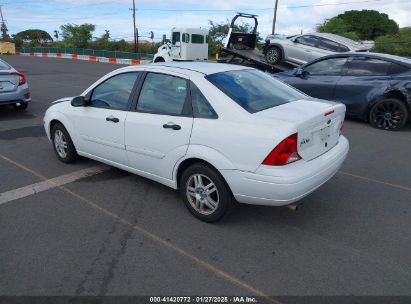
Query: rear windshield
[(254, 90), (4, 66)]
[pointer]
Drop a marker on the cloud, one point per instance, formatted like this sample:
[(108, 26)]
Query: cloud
[(293, 15)]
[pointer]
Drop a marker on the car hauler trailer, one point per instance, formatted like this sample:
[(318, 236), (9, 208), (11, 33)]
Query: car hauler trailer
[(241, 48)]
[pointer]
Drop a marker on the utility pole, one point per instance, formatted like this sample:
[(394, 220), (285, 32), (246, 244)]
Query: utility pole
[(275, 16), (134, 27), (4, 30)]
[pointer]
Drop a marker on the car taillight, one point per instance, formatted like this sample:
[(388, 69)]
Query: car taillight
[(22, 77), (285, 153)]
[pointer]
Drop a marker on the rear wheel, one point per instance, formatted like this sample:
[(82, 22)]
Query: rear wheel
[(21, 107), (205, 193), (159, 59), (389, 114), (62, 144), (273, 55)]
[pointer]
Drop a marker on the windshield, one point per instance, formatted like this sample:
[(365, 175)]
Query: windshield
[(254, 90)]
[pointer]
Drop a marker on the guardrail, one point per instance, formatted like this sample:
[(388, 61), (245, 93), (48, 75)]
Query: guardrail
[(87, 52)]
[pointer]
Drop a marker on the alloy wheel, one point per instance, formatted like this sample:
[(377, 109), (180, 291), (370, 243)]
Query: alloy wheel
[(60, 143), (388, 115), (273, 55), (202, 194)]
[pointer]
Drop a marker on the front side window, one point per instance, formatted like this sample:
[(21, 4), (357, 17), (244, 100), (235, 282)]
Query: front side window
[(307, 40), (176, 38), (254, 90), (115, 92), (365, 66), (164, 94), (199, 39), (329, 67)]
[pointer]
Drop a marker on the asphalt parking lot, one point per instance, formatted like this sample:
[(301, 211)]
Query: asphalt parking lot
[(113, 233)]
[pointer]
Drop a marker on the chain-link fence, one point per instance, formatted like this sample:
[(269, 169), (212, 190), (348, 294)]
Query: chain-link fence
[(88, 52)]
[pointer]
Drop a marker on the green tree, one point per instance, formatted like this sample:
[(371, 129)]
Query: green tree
[(32, 37), (397, 44), (365, 24), (78, 36)]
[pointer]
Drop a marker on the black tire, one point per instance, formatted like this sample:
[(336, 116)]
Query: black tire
[(70, 151), (22, 106), (225, 201), (273, 55), (389, 114)]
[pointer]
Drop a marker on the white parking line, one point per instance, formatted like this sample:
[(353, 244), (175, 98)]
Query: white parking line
[(15, 194)]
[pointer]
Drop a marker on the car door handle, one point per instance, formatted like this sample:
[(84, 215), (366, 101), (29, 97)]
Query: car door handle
[(171, 125), (112, 119)]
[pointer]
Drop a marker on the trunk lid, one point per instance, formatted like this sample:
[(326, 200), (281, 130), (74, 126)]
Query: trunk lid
[(317, 123), (8, 83)]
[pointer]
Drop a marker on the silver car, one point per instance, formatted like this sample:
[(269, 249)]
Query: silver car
[(305, 48), (14, 89)]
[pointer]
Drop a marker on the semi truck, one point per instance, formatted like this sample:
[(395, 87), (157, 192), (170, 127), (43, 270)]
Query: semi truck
[(187, 44)]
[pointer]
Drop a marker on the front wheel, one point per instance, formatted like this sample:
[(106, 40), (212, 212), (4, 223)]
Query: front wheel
[(205, 193), (62, 144), (389, 114), (273, 55)]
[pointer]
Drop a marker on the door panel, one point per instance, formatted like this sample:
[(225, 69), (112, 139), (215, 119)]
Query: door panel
[(101, 124), (356, 92), (302, 49), (366, 79), (157, 135), (320, 78), (316, 86), (100, 137), (153, 148)]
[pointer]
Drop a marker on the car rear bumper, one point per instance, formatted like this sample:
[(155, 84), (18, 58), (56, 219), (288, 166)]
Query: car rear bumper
[(22, 94), (280, 186)]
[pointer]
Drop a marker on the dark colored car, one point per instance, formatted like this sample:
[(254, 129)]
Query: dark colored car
[(374, 87)]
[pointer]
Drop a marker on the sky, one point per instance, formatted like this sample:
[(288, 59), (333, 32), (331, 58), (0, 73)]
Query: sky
[(158, 16)]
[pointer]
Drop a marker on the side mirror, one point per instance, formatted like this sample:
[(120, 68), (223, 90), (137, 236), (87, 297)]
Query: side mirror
[(79, 101), (292, 40), (301, 73)]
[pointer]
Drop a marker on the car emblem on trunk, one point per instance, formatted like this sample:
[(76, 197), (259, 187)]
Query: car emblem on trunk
[(304, 141)]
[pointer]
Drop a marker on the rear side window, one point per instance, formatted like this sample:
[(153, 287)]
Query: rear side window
[(329, 67), (398, 69), (114, 93), (186, 38), (197, 38), (164, 94), (364, 66), (254, 90), (333, 46), (201, 107)]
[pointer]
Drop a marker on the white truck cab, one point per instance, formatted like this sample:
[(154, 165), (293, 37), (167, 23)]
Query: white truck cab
[(187, 44)]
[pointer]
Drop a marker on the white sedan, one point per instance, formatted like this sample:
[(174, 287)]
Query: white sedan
[(218, 133)]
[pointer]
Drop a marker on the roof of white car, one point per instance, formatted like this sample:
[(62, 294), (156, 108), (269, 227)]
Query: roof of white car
[(205, 68)]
